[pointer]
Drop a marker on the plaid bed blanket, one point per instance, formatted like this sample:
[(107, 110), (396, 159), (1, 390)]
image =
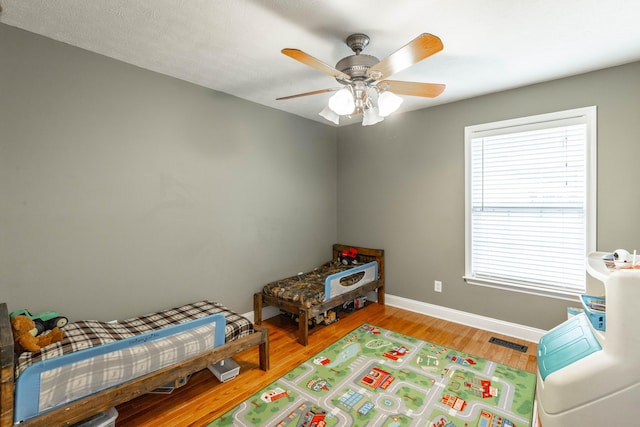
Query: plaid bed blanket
[(90, 333)]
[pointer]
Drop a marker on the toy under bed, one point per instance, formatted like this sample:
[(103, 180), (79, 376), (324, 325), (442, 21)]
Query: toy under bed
[(311, 294), (97, 356)]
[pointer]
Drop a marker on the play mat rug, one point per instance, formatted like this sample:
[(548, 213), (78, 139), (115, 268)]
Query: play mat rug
[(376, 377)]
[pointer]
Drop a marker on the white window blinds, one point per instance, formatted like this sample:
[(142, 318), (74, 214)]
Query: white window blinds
[(528, 202)]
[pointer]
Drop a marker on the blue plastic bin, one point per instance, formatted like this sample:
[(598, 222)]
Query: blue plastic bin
[(597, 318)]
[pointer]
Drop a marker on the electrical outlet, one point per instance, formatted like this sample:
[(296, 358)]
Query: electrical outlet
[(437, 285)]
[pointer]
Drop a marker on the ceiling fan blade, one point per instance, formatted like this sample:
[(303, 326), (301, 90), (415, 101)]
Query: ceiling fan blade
[(427, 90), (315, 92), (413, 52), (314, 63)]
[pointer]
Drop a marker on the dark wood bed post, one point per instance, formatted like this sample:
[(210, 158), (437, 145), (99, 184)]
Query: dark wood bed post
[(257, 308), (303, 326), (6, 368)]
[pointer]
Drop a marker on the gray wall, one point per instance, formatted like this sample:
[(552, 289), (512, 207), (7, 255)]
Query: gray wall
[(401, 187), (125, 191)]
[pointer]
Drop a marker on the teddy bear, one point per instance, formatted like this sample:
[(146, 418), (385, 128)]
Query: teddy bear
[(24, 331)]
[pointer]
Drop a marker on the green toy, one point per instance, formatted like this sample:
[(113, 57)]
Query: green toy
[(44, 321)]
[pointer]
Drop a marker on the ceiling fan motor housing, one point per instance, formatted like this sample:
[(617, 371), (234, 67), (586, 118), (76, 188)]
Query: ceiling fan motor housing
[(356, 66)]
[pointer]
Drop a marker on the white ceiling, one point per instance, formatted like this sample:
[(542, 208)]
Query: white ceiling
[(233, 46)]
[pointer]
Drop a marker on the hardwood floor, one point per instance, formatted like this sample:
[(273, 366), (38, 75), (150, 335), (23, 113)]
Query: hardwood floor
[(204, 398)]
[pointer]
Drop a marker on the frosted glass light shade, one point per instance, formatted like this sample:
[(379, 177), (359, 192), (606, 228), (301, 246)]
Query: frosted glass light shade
[(342, 103), (330, 115), (371, 117), (388, 102)]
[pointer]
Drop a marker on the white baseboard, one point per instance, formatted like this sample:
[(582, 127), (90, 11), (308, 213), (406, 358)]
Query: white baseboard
[(469, 319), (515, 330), (267, 312)]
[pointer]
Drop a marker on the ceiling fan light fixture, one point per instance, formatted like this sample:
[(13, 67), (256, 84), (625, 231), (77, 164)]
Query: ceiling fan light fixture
[(343, 102), (371, 117), (330, 115), (388, 102)]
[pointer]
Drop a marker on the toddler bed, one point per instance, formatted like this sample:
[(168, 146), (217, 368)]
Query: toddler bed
[(99, 365), (331, 285)]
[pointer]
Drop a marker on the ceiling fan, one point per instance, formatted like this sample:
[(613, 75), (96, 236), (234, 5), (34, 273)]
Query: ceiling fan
[(365, 89)]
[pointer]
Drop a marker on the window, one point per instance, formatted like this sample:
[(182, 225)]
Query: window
[(531, 202)]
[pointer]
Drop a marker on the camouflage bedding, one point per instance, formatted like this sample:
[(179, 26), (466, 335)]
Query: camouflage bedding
[(308, 289)]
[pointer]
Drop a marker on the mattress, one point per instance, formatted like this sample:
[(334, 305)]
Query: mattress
[(327, 281)]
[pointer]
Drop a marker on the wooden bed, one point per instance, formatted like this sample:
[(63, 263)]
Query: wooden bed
[(304, 313), (101, 401)]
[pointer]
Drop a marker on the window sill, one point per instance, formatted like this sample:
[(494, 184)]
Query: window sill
[(573, 296)]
